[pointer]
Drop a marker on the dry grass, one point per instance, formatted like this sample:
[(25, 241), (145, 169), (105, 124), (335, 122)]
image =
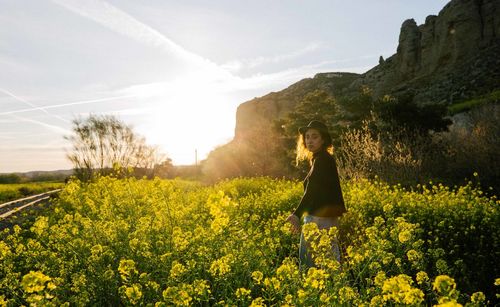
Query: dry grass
[(452, 157)]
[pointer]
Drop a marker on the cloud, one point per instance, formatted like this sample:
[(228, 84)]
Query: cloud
[(7, 121), (180, 86), (294, 74), (120, 22), (121, 112), (255, 62), (133, 111), (11, 64), (35, 149)]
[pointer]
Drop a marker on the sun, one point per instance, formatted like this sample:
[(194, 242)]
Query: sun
[(190, 116)]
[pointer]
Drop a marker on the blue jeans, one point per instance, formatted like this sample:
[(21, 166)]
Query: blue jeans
[(323, 223)]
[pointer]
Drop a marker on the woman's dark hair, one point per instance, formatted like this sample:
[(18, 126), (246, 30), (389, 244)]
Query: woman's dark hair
[(303, 153)]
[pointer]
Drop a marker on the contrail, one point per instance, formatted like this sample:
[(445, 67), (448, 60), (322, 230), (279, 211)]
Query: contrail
[(66, 104), (119, 21), (32, 105), (49, 126)]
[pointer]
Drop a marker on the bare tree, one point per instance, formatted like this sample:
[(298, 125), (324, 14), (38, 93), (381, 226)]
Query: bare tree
[(103, 144)]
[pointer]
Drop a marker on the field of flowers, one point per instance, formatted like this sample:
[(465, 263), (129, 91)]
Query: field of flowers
[(158, 243), (10, 191)]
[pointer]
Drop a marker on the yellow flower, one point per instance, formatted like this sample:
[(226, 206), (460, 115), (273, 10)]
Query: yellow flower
[(449, 304), (404, 236), (134, 244), (387, 208), (324, 298), (347, 294), (40, 225), (242, 293), (388, 258), (4, 250), (257, 277), (357, 258), (422, 277), (179, 239), (34, 281), (310, 230), (258, 302), (17, 229), (316, 278), (380, 278), (134, 293), (374, 266), (201, 287), (177, 270), (378, 221), (96, 250), (399, 290), (221, 267), (478, 298), (377, 301), (288, 270), (302, 295), (413, 255), (272, 282), (126, 268), (177, 296), (444, 285)]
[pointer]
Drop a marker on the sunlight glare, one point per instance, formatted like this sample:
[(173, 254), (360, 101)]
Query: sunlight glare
[(190, 114)]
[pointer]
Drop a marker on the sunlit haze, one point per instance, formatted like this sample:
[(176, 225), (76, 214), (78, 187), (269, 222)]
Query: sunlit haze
[(174, 70)]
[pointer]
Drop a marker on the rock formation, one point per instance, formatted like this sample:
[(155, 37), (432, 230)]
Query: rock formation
[(451, 57)]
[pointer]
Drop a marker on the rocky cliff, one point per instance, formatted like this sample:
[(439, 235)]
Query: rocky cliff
[(262, 111), (451, 57)]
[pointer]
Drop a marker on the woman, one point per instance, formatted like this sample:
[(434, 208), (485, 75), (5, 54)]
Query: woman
[(322, 202)]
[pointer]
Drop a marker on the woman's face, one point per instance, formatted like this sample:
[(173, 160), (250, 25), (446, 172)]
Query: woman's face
[(313, 140)]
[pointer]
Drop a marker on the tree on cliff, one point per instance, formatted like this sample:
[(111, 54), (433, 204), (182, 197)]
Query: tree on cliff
[(103, 144), (317, 105), (395, 113)]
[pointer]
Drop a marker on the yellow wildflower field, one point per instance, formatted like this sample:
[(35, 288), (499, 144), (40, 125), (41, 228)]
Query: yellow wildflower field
[(171, 242)]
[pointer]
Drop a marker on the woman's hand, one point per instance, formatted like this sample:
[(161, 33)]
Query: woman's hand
[(294, 220)]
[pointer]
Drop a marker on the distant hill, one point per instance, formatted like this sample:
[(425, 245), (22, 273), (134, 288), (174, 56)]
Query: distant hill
[(63, 172), (35, 176)]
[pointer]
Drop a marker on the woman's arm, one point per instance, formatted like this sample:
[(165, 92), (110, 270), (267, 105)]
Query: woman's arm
[(305, 201), (295, 221)]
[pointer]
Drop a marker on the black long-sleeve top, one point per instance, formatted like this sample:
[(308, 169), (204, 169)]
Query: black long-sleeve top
[(322, 193)]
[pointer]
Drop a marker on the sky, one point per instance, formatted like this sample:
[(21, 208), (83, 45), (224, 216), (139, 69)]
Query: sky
[(175, 71)]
